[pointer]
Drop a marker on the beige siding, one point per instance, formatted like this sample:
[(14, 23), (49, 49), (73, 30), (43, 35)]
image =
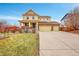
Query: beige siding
[(44, 28), (30, 17), (35, 18)]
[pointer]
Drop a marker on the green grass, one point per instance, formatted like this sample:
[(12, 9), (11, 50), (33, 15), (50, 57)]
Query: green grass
[(25, 44)]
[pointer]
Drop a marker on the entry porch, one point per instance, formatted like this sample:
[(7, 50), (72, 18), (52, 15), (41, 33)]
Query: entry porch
[(31, 26)]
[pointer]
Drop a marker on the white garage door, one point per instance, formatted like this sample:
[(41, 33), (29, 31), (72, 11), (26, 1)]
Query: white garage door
[(55, 28), (44, 28)]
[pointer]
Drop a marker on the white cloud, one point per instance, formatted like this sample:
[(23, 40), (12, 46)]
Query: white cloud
[(9, 17)]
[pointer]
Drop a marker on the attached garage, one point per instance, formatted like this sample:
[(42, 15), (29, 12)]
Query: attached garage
[(48, 26), (44, 28)]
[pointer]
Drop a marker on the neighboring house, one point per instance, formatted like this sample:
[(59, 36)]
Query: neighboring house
[(38, 23)]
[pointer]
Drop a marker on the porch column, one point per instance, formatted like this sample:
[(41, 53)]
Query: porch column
[(21, 24), (37, 27), (29, 24)]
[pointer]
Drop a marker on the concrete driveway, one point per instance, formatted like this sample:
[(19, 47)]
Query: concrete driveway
[(58, 43)]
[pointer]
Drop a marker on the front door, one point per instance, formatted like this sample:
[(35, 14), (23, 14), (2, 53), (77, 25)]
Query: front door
[(33, 25)]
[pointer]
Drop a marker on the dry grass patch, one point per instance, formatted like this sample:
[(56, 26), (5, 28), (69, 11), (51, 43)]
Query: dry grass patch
[(24, 44)]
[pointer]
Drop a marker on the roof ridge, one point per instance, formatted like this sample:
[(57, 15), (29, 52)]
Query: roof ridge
[(30, 10)]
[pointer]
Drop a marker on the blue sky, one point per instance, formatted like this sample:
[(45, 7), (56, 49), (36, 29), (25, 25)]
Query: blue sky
[(12, 12)]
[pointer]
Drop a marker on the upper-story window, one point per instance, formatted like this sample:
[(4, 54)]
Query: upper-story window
[(32, 17), (27, 17), (47, 19)]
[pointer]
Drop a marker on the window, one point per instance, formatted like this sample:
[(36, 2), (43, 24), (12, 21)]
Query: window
[(47, 19), (32, 17), (27, 17)]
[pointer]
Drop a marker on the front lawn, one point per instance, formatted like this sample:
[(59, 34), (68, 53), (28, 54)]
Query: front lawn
[(25, 44)]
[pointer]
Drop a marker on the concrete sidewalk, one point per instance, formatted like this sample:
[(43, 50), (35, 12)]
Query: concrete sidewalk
[(58, 43)]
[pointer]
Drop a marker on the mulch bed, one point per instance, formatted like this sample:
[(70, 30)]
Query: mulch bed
[(75, 31)]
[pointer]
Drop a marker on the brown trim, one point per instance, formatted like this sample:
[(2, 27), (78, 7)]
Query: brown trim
[(51, 28), (40, 22), (44, 17), (27, 20), (48, 23)]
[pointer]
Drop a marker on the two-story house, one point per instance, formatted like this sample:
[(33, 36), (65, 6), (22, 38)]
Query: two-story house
[(37, 22)]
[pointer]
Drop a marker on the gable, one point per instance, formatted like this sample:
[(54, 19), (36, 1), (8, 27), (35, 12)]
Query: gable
[(30, 13)]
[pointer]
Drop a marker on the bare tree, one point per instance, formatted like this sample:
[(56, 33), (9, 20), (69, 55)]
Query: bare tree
[(71, 20), (3, 24)]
